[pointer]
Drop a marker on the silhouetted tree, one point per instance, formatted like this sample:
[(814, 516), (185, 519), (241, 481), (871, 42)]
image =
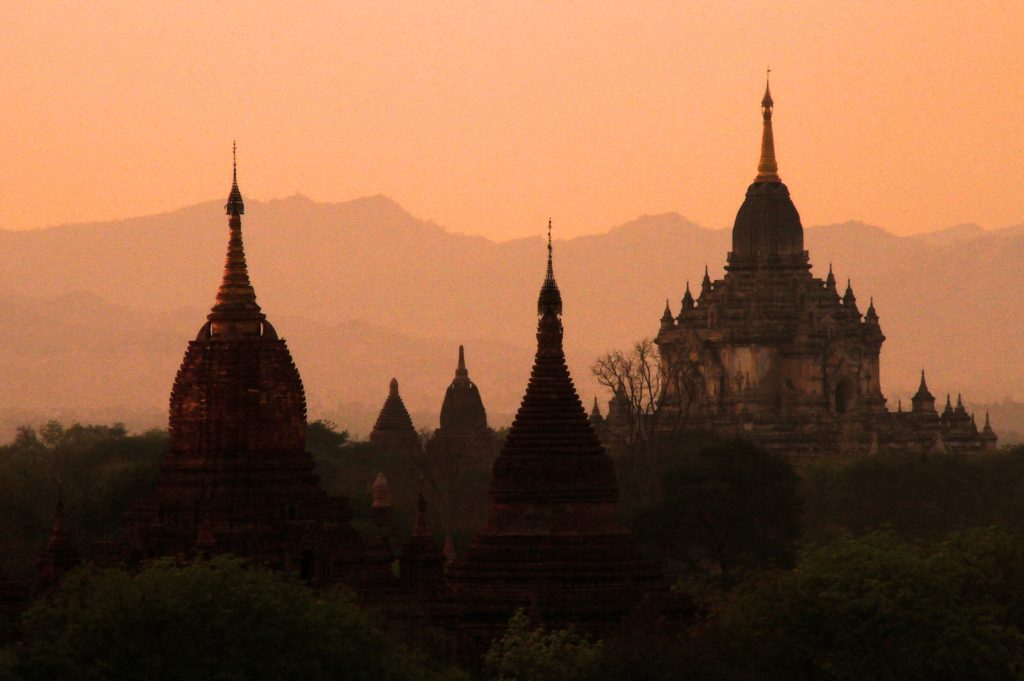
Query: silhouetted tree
[(733, 506), (221, 619), (874, 608)]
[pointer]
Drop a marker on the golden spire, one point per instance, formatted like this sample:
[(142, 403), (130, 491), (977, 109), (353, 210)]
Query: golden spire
[(767, 168)]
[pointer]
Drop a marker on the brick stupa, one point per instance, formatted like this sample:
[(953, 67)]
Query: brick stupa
[(553, 543), (393, 430), (237, 477)]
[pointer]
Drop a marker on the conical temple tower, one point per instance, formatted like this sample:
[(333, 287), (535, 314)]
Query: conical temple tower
[(553, 536), (237, 477), (394, 430), (462, 409)]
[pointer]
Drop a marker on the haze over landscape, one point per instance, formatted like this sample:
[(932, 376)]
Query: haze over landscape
[(485, 121), (97, 315)]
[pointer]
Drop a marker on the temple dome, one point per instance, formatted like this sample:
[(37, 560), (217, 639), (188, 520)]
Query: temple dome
[(767, 227), (463, 409), (767, 224)]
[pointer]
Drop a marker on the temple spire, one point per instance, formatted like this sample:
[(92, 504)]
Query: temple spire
[(550, 299), (461, 373), (236, 298), (767, 168)]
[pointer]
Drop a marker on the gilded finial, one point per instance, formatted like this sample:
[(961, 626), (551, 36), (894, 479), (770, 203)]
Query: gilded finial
[(767, 167)]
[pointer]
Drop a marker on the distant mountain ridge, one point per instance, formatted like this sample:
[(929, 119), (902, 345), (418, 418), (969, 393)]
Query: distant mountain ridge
[(97, 316)]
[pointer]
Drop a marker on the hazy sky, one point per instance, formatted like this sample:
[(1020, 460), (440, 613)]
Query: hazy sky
[(488, 117)]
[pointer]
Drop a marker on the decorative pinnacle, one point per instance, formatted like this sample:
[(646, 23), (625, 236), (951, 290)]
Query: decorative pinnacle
[(236, 299), (767, 168), (461, 374), (234, 206), (549, 241), (550, 299)]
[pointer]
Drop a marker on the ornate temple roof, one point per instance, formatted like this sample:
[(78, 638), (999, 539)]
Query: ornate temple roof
[(922, 391), (553, 537), (767, 226), (236, 310), (237, 477), (551, 452), (237, 388), (462, 408)]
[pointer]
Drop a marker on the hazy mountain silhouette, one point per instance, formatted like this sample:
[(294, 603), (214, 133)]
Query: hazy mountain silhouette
[(97, 316)]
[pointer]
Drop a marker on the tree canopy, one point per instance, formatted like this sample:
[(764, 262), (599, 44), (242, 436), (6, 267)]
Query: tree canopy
[(220, 619)]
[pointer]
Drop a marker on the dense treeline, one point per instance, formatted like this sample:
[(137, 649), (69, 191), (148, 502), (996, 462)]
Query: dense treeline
[(905, 567)]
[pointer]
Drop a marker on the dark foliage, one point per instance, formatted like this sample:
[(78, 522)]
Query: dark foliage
[(97, 469), (221, 619), (916, 497), (727, 508), (879, 608)]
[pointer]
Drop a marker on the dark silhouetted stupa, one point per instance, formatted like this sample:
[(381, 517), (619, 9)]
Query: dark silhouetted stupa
[(553, 541), (237, 477), (393, 430)]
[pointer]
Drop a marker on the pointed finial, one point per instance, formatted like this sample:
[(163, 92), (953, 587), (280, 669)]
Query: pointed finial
[(687, 298), (461, 374), (767, 168), (234, 206), (899, 406), (393, 388), (666, 317), (550, 299)]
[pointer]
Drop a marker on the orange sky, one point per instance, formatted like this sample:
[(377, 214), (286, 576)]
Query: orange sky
[(488, 117)]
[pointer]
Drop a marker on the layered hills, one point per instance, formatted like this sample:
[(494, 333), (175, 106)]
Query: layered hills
[(96, 316)]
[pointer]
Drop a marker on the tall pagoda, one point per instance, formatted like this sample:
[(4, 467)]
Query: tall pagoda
[(553, 542), (237, 477)]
